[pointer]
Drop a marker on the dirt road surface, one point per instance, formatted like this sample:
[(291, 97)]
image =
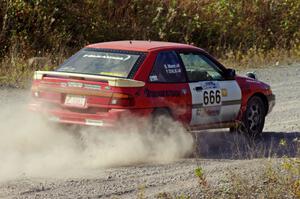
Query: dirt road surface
[(218, 152)]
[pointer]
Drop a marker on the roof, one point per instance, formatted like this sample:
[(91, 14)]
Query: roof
[(139, 45)]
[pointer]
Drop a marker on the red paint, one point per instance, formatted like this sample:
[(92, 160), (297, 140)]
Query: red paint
[(141, 102)]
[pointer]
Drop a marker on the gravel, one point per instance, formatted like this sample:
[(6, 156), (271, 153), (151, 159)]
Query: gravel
[(218, 153)]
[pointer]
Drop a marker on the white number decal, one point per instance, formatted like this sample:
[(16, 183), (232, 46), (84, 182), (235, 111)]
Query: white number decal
[(212, 97)]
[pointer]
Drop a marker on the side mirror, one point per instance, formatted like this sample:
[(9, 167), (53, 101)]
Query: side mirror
[(230, 73), (251, 75)]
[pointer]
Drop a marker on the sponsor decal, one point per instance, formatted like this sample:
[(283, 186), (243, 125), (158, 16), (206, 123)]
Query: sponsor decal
[(107, 57), (63, 84), (184, 91), (153, 78), (75, 84), (210, 85), (163, 93), (92, 86), (212, 111), (224, 92), (172, 68), (80, 85), (208, 111)]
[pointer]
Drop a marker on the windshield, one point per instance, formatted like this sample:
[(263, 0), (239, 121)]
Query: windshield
[(101, 62)]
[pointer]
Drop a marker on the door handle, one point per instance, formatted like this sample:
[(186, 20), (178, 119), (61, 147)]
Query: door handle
[(199, 88)]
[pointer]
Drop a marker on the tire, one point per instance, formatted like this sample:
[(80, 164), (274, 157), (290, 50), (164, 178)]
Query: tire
[(253, 120), (161, 121)]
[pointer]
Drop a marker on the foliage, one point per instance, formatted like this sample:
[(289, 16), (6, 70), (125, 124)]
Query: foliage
[(52, 25), (199, 173), (239, 32)]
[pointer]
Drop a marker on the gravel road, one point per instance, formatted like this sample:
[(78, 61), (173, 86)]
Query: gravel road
[(217, 153)]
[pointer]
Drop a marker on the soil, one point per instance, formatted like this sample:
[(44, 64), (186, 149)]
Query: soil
[(218, 152)]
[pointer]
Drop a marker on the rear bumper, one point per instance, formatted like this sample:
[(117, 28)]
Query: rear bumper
[(103, 119), (271, 102)]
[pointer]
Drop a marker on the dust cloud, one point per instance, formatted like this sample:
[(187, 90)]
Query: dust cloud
[(30, 146)]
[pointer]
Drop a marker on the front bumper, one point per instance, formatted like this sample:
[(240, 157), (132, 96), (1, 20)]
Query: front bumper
[(271, 102)]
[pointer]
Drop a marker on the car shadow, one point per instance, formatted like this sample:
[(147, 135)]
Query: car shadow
[(225, 145)]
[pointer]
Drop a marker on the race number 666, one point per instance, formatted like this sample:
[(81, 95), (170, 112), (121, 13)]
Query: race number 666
[(212, 97)]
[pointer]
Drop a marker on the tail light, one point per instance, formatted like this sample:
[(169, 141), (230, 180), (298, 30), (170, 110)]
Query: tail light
[(122, 99)]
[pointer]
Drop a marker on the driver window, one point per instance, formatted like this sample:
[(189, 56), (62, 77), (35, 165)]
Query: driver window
[(200, 68), (167, 68)]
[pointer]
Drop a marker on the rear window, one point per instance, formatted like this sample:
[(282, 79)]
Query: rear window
[(102, 62)]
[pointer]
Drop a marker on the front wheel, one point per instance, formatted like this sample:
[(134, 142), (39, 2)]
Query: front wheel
[(253, 119)]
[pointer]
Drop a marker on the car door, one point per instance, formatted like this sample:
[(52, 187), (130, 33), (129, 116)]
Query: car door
[(215, 98), (167, 86)]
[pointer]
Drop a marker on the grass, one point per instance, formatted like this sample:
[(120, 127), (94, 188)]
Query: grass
[(17, 72), (279, 177), (216, 25), (255, 58), (241, 34), (279, 180), (199, 173)]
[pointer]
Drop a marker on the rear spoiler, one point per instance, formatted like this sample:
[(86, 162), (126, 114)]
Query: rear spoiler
[(112, 81)]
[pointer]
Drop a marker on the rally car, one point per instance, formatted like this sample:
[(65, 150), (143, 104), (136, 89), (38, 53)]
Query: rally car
[(104, 82)]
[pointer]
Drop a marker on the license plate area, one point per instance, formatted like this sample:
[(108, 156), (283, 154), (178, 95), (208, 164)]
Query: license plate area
[(75, 101)]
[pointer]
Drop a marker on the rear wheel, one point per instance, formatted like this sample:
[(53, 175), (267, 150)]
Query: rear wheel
[(160, 120), (253, 119), (164, 125)]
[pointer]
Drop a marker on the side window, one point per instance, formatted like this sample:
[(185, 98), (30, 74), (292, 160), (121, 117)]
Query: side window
[(200, 68), (167, 68)]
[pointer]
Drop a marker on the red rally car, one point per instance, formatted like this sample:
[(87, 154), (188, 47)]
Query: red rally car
[(102, 82)]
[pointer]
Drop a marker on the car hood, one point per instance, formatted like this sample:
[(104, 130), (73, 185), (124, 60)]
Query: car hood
[(251, 81)]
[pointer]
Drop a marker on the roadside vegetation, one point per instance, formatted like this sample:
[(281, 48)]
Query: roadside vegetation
[(279, 178), (240, 33)]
